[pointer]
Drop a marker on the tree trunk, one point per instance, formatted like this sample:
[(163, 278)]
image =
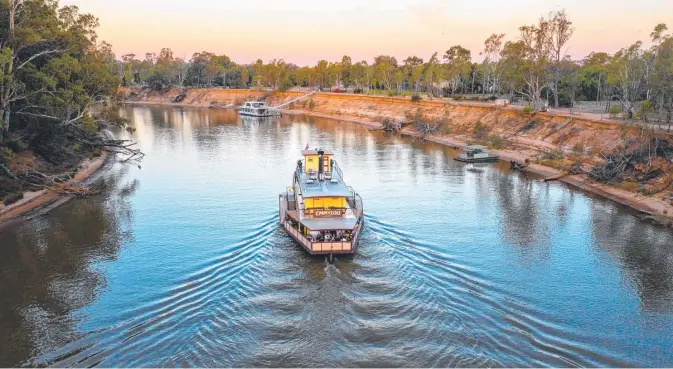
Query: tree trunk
[(472, 83), (556, 78), (4, 123)]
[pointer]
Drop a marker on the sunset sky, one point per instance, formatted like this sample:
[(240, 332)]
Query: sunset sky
[(304, 31)]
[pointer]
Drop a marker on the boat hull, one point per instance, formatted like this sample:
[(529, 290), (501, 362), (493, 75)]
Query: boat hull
[(257, 115), (490, 159), (326, 248)]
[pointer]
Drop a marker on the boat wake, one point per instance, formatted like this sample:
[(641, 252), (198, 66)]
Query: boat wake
[(401, 300), (192, 311)]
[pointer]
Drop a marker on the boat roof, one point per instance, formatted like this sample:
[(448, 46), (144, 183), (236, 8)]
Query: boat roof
[(315, 152), (254, 103), (475, 147), (329, 224), (327, 188)]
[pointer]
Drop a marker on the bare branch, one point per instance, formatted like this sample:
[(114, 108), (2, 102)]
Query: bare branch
[(42, 53)]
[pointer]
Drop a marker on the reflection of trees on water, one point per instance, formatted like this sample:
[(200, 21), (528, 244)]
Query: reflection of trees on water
[(522, 220), (47, 270), (644, 251)]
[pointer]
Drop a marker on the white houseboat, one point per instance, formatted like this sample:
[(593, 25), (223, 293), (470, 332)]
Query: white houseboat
[(257, 109)]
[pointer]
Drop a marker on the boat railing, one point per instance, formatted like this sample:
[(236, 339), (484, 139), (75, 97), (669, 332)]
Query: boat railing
[(335, 167), (358, 202), (318, 246)]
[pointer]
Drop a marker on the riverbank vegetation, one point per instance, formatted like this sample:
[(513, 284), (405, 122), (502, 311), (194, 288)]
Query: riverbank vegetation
[(53, 69), (636, 82)]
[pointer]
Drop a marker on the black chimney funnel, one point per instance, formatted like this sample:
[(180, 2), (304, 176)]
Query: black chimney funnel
[(320, 162)]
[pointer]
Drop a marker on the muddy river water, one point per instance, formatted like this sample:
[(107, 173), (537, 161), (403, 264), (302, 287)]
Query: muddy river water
[(181, 262)]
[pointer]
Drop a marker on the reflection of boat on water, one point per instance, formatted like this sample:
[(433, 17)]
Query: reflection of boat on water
[(319, 211), (249, 120), (476, 167), (476, 154)]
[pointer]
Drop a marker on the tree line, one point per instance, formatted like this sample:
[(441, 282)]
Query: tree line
[(534, 65), (52, 66), (53, 70)]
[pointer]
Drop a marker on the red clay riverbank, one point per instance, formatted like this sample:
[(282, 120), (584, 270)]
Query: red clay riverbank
[(529, 136)]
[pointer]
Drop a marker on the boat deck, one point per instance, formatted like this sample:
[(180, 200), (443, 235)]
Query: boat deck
[(333, 186)]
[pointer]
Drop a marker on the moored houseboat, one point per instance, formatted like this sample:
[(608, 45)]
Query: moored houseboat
[(321, 213), (257, 109), (476, 154)]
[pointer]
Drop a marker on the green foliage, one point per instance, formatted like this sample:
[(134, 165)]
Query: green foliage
[(416, 98), (645, 108), (159, 80), (479, 130), (614, 111), (90, 124), (311, 104), (555, 154), (497, 141), (6, 155), (528, 109), (578, 149)]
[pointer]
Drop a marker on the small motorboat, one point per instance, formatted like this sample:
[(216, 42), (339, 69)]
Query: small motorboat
[(476, 154)]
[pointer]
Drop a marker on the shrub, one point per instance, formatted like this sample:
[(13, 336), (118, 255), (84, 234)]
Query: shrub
[(497, 141), (392, 93), (528, 109), (311, 104), (555, 154), (457, 97), (90, 124), (357, 91), (12, 198), (6, 155), (614, 111), (479, 130), (578, 149), (628, 186), (644, 109), (492, 98), (416, 98)]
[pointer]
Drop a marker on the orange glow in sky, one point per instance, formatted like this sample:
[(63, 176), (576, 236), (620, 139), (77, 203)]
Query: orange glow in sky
[(304, 31)]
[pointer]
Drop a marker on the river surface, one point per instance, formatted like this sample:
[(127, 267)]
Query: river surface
[(182, 263)]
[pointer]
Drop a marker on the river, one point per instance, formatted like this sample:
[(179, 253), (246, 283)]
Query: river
[(181, 262)]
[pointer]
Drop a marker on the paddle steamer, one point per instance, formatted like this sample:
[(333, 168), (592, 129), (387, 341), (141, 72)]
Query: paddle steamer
[(321, 213)]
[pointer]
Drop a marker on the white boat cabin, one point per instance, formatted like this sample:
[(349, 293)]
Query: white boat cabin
[(256, 109)]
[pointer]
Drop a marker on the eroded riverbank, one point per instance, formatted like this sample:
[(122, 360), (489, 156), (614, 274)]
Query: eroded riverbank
[(521, 136)]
